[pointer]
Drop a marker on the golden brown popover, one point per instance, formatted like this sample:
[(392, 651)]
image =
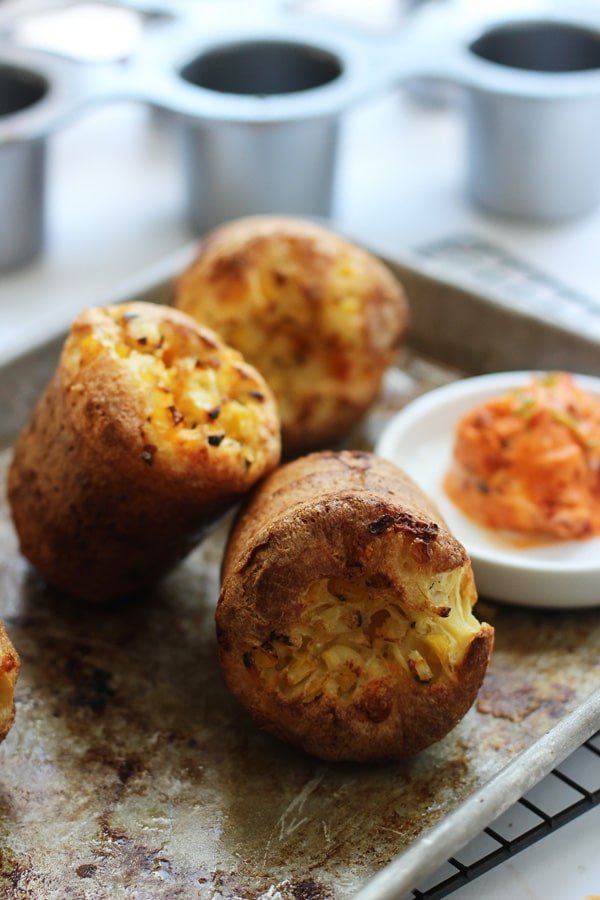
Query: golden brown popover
[(319, 317), (344, 622), (9, 672), (150, 429)]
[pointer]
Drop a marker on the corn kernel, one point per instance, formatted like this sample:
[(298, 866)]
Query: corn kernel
[(341, 655), (264, 660), (439, 644), (299, 669), (419, 666)]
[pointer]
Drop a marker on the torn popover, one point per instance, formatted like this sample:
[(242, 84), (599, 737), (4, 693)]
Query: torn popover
[(9, 671), (150, 429), (344, 622), (319, 317)]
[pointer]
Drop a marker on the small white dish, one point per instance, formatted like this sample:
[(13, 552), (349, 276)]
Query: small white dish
[(420, 439)]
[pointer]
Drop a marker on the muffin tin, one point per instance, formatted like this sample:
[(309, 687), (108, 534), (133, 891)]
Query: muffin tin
[(258, 108)]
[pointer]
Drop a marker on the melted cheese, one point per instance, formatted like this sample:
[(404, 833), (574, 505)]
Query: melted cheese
[(196, 390), (350, 634)]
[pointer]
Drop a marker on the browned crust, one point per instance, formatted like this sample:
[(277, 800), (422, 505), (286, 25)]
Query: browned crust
[(327, 516), (10, 665), (101, 507), (299, 258), (388, 725)]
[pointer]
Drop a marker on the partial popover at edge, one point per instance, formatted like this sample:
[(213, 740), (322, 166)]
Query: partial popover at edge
[(10, 666)]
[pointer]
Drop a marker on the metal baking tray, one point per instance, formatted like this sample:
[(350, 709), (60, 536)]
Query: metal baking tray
[(132, 773)]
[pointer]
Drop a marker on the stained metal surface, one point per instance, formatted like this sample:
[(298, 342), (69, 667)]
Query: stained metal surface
[(131, 772), (445, 840)]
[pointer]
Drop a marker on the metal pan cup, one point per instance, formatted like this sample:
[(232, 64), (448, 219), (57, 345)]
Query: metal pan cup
[(533, 117), (21, 170), (248, 159)]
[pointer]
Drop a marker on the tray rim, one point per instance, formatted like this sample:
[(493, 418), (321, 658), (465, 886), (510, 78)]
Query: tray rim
[(444, 839), (406, 264)]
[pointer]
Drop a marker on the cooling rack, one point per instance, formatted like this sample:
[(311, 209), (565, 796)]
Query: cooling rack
[(565, 793)]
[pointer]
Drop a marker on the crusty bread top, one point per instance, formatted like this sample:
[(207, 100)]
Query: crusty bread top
[(318, 316), (371, 495), (155, 371)]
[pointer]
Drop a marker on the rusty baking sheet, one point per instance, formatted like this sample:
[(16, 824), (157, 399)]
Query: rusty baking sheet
[(132, 773)]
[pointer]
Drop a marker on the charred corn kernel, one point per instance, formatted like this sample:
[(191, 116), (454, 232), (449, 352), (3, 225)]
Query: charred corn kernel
[(143, 331), (419, 666)]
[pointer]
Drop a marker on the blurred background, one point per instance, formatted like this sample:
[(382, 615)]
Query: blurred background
[(115, 185)]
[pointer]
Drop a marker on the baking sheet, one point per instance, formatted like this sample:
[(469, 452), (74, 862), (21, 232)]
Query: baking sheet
[(131, 772)]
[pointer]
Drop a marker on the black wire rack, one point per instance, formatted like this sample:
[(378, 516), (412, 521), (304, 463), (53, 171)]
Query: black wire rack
[(566, 792)]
